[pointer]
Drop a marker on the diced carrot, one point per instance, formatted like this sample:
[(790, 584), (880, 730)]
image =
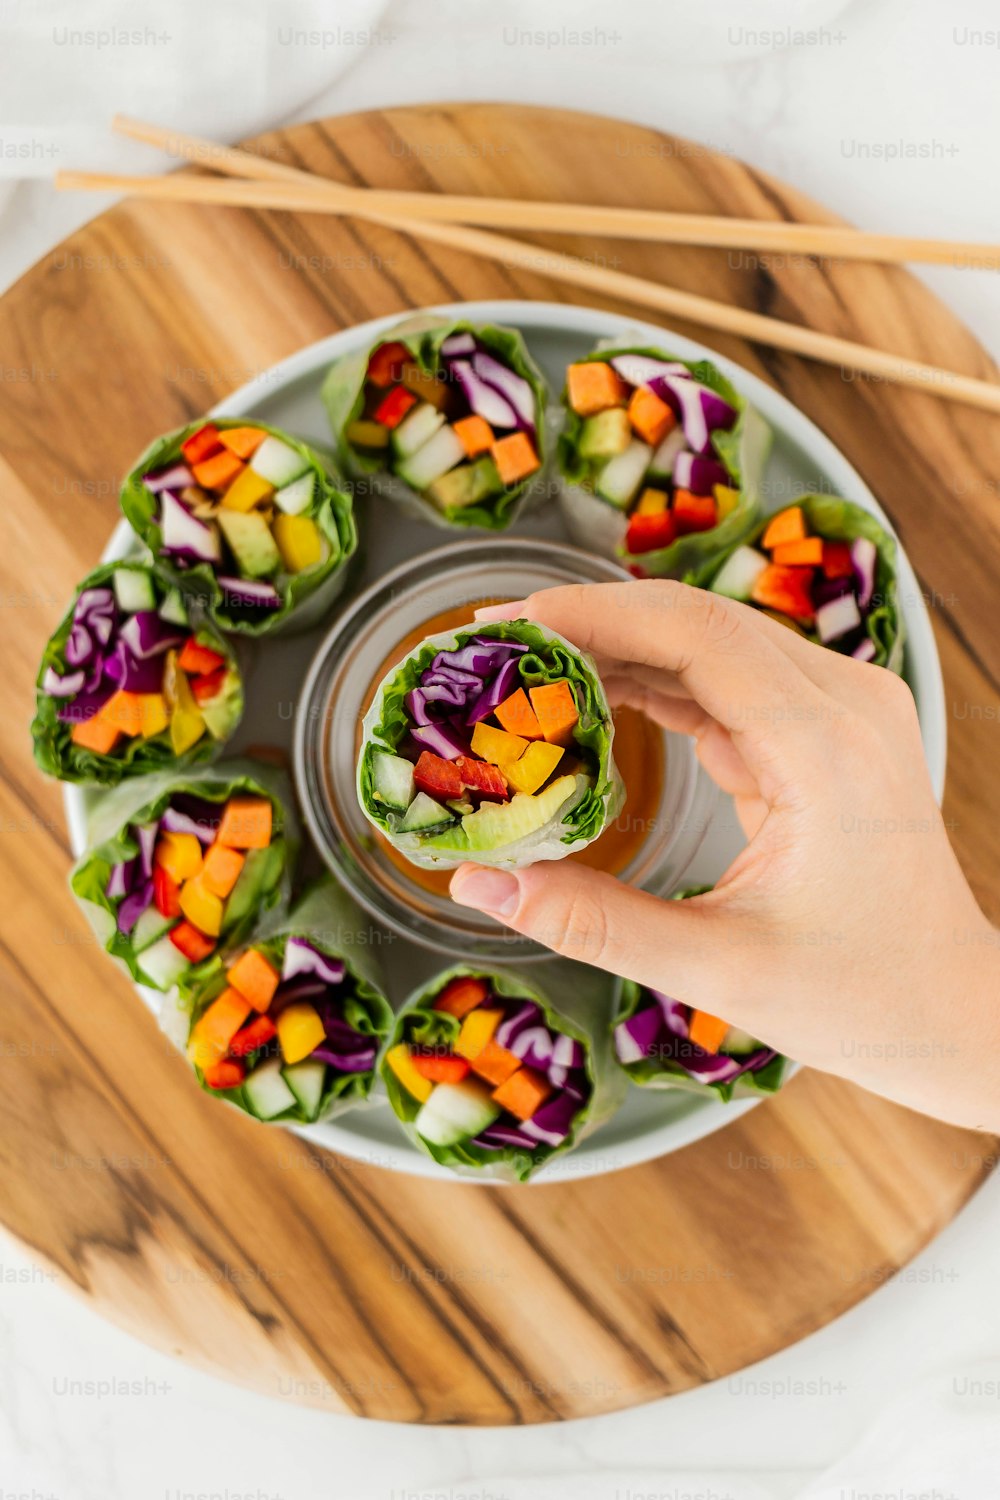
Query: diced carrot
[(254, 978), (648, 533), (124, 711), (219, 471), (593, 386), (808, 553), (95, 734), (707, 1031), (785, 589), (195, 658), (188, 940), (693, 512), (209, 685), (650, 416), (243, 441), (523, 1092), (201, 443), (226, 1074), (440, 1069), (787, 526), (245, 823), (495, 1063), (475, 435), (837, 560), (221, 869), (251, 1037), (556, 710), (518, 717), (515, 457), (215, 1029), (386, 363), (461, 995), (393, 408)]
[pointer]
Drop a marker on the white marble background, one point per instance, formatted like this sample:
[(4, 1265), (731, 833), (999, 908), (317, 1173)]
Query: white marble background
[(889, 112)]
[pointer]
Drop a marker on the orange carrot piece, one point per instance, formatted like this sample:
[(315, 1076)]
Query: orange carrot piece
[(124, 711), (475, 435), (219, 471), (787, 526), (518, 717), (221, 868), (95, 734), (523, 1092), (212, 1032), (254, 978), (707, 1031), (650, 416), (788, 590), (243, 441), (495, 1063), (808, 553), (462, 995), (592, 386), (515, 457), (555, 708), (245, 823)]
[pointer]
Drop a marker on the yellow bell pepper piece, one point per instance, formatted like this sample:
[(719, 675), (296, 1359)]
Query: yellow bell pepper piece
[(179, 854), (299, 540), (247, 490), (726, 498), (534, 767), (201, 906), (652, 503), (154, 715), (401, 1063), (299, 1031), (497, 746), (186, 722), (477, 1029)]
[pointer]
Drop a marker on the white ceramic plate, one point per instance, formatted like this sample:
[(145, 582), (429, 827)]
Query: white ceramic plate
[(803, 459)]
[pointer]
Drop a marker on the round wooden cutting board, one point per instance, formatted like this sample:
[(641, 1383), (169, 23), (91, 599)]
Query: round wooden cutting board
[(243, 1248)]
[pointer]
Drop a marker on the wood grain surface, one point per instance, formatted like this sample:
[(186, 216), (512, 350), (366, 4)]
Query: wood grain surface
[(241, 1248)]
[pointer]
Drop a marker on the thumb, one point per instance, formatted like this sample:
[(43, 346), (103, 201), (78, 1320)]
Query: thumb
[(593, 918)]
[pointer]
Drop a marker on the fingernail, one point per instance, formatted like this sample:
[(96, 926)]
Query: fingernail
[(492, 891), (500, 611)]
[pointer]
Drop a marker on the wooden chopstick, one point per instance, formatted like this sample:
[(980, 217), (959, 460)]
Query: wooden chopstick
[(839, 242), (756, 327)]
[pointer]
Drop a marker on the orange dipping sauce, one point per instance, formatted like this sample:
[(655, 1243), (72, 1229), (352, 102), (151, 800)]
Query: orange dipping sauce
[(638, 751)]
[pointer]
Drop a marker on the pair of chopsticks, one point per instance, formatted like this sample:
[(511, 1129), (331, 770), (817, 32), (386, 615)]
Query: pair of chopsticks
[(445, 220)]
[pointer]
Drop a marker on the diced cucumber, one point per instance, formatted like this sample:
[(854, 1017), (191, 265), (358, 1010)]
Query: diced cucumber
[(456, 1112), (739, 573), (661, 465), (296, 497), (424, 815), (162, 964), (277, 463), (415, 429), (738, 1043), (621, 478), (392, 778), (252, 544), (605, 434), (439, 454), (173, 609), (133, 590), (151, 925), (306, 1079), (266, 1091)]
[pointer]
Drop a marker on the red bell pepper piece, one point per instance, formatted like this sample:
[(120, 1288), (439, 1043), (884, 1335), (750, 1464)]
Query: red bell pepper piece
[(386, 363), (166, 893), (788, 590), (208, 685), (201, 444), (438, 777), (837, 560), (693, 512), (482, 777), (193, 944), (393, 408), (648, 533), (196, 659), (440, 1069), (257, 1033), (224, 1074)]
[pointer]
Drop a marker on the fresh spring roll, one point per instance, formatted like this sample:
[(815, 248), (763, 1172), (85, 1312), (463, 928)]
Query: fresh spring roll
[(180, 866), (449, 415), (246, 517), (494, 1072), (664, 1044), (290, 1028), (827, 569), (132, 681), (490, 743), (661, 460)]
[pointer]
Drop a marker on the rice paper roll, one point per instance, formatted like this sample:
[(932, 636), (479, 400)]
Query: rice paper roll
[(662, 1043), (133, 680), (445, 417), (289, 1028), (661, 460), (495, 1072), (490, 743), (181, 867), (246, 517), (827, 569)]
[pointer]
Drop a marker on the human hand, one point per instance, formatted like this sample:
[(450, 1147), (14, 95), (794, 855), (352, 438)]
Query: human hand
[(844, 934)]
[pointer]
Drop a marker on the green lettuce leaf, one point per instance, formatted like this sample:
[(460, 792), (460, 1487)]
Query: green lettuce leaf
[(305, 596)]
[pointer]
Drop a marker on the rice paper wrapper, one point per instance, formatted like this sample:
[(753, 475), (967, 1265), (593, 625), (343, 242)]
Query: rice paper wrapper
[(265, 878), (306, 597), (593, 804), (55, 752), (327, 918), (600, 527), (423, 335), (575, 1000), (839, 520)]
